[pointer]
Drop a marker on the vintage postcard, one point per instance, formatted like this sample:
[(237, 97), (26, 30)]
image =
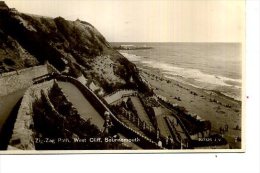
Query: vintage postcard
[(113, 76)]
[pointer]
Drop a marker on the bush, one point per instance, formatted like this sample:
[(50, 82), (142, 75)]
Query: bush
[(29, 63), (66, 124), (9, 62)]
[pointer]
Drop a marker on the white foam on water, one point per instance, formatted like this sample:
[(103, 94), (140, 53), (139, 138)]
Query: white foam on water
[(174, 72), (189, 73), (131, 57)]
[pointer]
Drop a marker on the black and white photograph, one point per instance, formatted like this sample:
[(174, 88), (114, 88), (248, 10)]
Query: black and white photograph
[(148, 76)]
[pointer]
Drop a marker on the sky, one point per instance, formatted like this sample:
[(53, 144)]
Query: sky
[(149, 20)]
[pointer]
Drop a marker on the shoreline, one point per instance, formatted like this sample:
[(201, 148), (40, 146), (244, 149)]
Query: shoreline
[(225, 89), (206, 90), (219, 109)]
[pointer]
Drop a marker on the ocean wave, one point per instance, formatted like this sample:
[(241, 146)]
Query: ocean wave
[(190, 76), (131, 57), (199, 76)]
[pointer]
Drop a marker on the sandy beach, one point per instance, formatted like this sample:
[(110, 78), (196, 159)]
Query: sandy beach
[(220, 110)]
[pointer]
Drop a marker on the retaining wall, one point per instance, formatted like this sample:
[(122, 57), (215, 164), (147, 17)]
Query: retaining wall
[(23, 131), (16, 80), (101, 107), (118, 95)]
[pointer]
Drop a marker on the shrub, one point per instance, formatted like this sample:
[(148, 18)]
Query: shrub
[(9, 62)]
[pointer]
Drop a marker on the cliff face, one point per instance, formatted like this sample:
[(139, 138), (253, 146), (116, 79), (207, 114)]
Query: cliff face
[(73, 47), (12, 55)]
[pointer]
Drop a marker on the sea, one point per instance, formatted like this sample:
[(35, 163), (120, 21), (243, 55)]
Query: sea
[(210, 66)]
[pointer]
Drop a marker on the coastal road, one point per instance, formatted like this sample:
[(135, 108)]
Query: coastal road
[(83, 106)]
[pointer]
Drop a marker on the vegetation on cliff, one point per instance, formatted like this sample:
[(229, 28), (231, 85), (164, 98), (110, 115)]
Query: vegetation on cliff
[(61, 127), (73, 47)]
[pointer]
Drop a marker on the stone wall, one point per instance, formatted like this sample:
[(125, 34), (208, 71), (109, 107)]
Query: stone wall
[(16, 80), (23, 132)]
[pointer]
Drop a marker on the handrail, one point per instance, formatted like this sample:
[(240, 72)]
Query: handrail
[(179, 120), (88, 92), (114, 92), (172, 130), (101, 106)]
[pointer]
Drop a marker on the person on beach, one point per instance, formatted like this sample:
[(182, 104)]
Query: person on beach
[(226, 127), (160, 143), (221, 130)]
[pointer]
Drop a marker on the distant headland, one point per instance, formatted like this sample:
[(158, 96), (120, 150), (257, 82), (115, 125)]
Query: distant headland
[(131, 47)]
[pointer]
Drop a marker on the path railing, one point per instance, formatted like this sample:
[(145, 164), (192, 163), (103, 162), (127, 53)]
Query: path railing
[(121, 93), (176, 116), (101, 107), (173, 130)]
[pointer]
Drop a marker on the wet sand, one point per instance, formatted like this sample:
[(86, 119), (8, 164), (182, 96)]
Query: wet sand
[(215, 107)]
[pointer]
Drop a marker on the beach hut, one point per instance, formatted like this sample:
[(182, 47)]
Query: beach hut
[(93, 87)]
